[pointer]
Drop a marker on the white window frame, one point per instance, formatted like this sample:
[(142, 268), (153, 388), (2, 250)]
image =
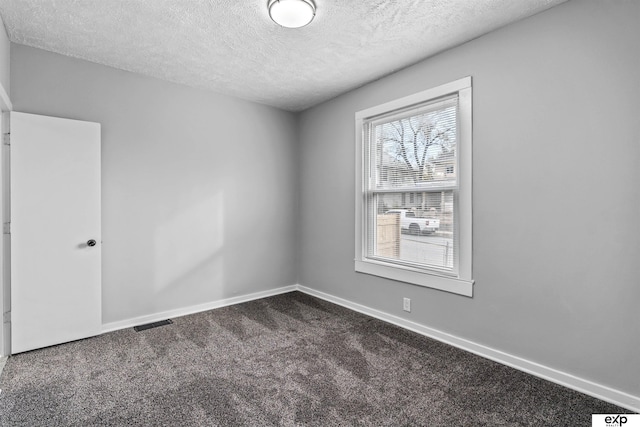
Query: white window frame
[(462, 283)]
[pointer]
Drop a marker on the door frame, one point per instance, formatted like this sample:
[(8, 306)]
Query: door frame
[(5, 217)]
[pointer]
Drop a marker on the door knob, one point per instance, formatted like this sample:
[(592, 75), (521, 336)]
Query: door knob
[(91, 242)]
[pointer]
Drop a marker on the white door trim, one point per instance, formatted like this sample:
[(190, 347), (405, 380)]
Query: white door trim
[(5, 261)]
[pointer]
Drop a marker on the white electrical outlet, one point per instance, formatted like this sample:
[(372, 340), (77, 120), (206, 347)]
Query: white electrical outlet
[(406, 304)]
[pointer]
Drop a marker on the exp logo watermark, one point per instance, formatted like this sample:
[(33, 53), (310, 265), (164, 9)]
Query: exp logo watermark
[(615, 420)]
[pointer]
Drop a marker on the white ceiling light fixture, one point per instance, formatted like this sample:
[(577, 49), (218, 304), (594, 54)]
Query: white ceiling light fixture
[(292, 13)]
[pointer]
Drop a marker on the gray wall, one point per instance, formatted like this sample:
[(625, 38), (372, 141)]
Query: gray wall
[(556, 201), (198, 189)]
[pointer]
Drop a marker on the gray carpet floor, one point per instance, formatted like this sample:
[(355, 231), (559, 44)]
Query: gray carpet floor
[(286, 360)]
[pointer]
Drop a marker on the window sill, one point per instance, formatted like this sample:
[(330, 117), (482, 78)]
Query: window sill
[(430, 280)]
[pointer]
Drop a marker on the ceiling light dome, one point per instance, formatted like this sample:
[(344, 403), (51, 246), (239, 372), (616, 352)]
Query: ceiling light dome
[(292, 13)]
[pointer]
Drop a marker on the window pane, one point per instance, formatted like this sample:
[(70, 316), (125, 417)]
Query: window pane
[(417, 150), (415, 228)]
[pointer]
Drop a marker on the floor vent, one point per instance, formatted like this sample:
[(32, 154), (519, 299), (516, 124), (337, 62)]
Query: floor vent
[(152, 325)]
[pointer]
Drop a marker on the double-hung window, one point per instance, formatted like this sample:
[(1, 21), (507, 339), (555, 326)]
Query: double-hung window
[(413, 189)]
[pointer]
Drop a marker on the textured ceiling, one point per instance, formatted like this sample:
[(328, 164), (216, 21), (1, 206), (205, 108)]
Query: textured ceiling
[(233, 47)]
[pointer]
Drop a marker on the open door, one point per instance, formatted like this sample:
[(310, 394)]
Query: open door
[(55, 231)]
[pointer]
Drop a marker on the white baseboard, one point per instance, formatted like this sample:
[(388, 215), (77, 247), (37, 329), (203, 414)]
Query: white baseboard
[(599, 391), (141, 320)]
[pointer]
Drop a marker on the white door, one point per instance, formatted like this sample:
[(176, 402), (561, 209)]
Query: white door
[(55, 231)]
